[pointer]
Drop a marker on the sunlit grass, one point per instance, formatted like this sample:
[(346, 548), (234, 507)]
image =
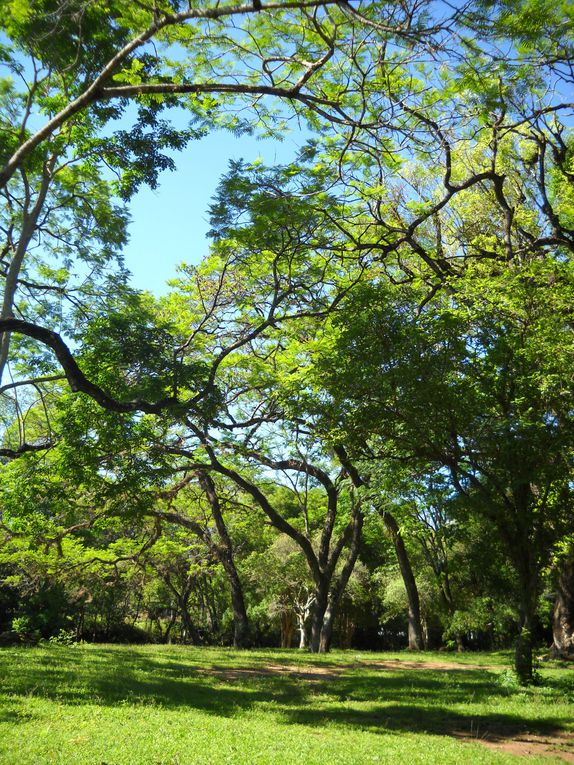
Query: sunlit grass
[(151, 705)]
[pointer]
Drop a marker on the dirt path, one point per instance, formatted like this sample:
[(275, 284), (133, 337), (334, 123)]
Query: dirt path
[(326, 671), (559, 746)]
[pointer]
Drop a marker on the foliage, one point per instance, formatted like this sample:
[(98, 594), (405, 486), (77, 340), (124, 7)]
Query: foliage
[(380, 330)]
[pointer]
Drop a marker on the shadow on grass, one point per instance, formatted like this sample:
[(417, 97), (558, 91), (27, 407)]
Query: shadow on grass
[(415, 685), (395, 700), (106, 677), (436, 720), (13, 716)]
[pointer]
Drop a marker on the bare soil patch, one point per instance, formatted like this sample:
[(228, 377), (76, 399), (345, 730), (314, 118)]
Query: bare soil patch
[(529, 745), (444, 666), (326, 671), (270, 670)]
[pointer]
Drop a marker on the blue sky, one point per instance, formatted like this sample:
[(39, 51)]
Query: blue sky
[(169, 225)]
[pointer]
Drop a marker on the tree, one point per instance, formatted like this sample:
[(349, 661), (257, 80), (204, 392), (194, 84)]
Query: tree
[(281, 579), (321, 533), (68, 163), (454, 386), (354, 72), (174, 569), (468, 589), (277, 268), (217, 380), (563, 614), (217, 540), (416, 640)]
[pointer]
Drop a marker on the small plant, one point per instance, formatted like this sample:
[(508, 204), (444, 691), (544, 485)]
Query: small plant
[(509, 680), (64, 638), (21, 625), (24, 628)]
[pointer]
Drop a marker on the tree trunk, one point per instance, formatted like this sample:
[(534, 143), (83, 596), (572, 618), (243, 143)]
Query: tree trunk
[(303, 611), (319, 609), (30, 221), (240, 619), (340, 584), (224, 552), (526, 547), (287, 628), (524, 642), (523, 652), (189, 631), (170, 626), (327, 630), (415, 635), (416, 641), (302, 634), (563, 617)]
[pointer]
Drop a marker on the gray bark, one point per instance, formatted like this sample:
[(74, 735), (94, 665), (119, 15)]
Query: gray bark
[(563, 617)]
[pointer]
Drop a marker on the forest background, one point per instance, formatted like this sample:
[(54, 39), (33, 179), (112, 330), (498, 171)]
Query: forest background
[(353, 419)]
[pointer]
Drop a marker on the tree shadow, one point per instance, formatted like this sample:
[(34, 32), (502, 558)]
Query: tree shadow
[(416, 685), (14, 716), (437, 720), (393, 700), (106, 677)]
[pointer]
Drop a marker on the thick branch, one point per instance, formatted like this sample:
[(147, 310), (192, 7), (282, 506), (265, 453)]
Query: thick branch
[(77, 380), (23, 448)]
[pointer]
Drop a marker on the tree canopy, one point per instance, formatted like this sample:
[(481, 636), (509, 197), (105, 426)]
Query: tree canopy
[(367, 381)]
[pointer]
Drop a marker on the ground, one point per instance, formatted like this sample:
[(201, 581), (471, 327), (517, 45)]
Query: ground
[(152, 705)]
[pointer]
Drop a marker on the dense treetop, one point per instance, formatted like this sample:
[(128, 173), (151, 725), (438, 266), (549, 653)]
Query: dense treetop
[(378, 343)]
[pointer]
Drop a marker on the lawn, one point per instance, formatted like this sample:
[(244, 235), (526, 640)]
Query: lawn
[(173, 705)]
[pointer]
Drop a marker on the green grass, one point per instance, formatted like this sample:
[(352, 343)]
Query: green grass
[(151, 705)]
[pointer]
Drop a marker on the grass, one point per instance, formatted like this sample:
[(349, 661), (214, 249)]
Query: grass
[(172, 705)]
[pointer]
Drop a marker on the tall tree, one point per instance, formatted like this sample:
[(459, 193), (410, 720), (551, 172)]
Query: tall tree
[(354, 72), (217, 539), (474, 385), (68, 160)]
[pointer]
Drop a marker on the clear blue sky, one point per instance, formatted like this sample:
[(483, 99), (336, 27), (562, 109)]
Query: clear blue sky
[(169, 225)]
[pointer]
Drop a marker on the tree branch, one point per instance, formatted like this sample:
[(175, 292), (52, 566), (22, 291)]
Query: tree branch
[(77, 380)]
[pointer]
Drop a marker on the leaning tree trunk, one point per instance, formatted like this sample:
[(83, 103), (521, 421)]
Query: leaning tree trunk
[(415, 631), (189, 630), (563, 617), (240, 619), (224, 552), (416, 640)]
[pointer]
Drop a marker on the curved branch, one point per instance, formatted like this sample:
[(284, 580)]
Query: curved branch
[(35, 381), (24, 448), (77, 380), (95, 91)]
